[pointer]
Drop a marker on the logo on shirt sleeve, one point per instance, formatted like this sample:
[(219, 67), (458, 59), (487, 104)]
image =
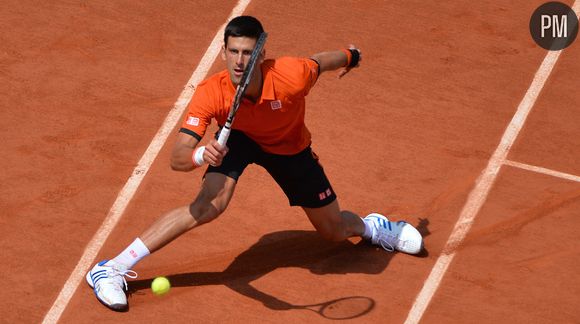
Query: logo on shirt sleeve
[(193, 121)]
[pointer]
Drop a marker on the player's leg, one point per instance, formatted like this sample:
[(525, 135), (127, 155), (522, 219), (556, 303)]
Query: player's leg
[(215, 194), (305, 184), (108, 276), (334, 224), (217, 189), (337, 225)]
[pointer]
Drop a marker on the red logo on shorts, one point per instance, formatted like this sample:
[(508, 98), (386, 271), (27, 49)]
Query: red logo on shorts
[(325, 194)]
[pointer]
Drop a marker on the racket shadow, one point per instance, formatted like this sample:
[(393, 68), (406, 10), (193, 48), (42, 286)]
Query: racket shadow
[(301, 249)]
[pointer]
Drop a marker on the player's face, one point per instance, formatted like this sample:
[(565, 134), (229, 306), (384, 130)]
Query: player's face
[(237, 54)]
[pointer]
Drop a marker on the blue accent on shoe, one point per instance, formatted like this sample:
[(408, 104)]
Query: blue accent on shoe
[(382, 222), (390, 229), (99, 273), (99, 277)]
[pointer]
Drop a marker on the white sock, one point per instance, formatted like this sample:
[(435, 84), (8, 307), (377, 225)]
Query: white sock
[(368, 234), (132, 254)]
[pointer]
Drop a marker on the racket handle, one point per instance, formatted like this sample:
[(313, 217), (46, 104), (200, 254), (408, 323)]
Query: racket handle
[(224, 134)]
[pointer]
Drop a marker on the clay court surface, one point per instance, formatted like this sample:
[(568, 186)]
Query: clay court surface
[(85, 87)]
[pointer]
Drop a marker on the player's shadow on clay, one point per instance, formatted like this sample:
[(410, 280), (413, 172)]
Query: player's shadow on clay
[(285, 249)]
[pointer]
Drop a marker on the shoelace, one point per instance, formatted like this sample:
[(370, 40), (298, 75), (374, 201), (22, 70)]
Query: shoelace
[(122, 273), (389, 241)]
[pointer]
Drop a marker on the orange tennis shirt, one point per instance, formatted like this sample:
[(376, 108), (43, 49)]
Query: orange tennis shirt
[(275, 121)]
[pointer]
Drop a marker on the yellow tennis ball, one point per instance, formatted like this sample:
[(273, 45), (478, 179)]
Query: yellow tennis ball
[(160, 286)]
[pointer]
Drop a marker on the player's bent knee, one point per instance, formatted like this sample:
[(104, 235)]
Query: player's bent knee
[(207, 207), (213, 198), (203, 212)]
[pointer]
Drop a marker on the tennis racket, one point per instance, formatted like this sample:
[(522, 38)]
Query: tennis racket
[(241, 89)]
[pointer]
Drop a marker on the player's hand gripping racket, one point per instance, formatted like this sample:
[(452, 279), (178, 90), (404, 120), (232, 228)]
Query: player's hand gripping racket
[(241, 89)]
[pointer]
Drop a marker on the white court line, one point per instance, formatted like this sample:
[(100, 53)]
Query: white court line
[(537, 169), (131, 186), (483, 185)]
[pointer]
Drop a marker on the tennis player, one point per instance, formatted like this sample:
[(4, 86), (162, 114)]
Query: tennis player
[(269, 131)]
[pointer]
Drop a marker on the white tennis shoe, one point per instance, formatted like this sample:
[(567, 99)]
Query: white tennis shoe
[(400, 236), (107, 279)]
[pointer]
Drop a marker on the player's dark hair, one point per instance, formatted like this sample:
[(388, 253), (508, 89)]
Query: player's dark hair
[(243, 26)]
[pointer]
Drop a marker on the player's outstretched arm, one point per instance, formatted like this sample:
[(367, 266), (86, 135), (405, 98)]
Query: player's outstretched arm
[(344, 60)]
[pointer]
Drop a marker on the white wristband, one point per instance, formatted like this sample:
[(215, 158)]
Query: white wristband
[(198, 156)]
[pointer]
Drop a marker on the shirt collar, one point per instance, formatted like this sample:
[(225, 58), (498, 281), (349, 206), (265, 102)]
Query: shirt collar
[(268, 92)]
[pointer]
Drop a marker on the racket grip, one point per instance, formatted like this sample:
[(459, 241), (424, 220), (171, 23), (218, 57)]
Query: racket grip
[(224, 134)]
